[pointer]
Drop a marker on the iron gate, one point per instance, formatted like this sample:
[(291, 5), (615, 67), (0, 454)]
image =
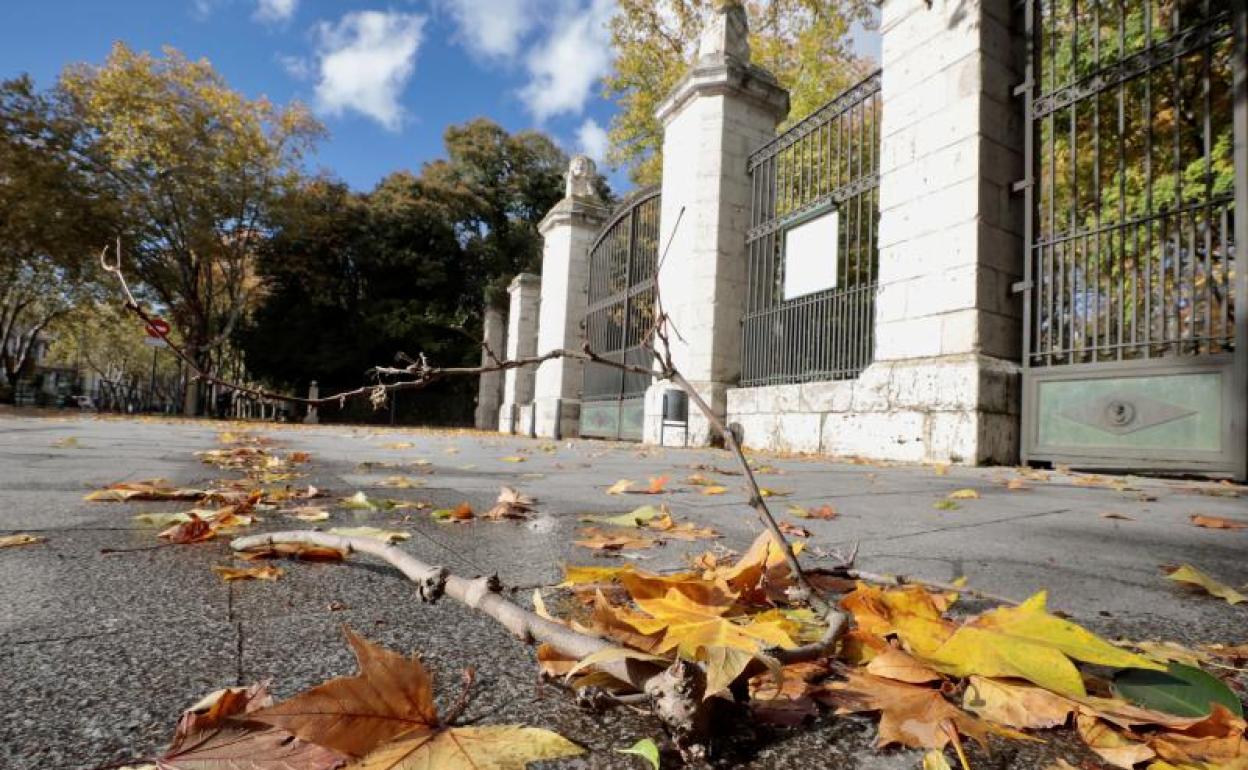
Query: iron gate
[(622, 264), (1137, 169), (820, 174)]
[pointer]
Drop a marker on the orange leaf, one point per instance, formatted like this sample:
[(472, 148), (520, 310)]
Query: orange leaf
[(911, 715), (1217, 522)]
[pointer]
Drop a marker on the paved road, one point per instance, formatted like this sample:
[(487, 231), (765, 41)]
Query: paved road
[(100, 652)]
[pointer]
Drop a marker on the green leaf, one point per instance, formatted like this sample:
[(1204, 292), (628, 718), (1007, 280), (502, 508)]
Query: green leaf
[(637, 517), (1181, 690), (644, 748)]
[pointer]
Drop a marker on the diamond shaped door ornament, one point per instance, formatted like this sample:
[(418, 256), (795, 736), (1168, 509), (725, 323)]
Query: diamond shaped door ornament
[(1122, 413)]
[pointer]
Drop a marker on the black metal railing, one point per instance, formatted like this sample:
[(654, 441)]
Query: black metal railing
[(828, 162), (1130, 138), (622, 264)]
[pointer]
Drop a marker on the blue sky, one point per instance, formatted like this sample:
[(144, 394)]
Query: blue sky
[(386, 78)]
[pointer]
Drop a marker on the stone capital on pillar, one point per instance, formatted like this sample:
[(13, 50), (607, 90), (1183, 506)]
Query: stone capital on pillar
[(568, 231), (724, 109), (515, 415)]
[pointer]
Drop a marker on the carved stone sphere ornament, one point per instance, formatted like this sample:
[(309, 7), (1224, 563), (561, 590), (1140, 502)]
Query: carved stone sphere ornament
[(581, 174)]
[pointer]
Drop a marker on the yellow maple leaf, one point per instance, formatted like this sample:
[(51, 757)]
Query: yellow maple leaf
[(1189, 575), (1023, 642), (700, 631)]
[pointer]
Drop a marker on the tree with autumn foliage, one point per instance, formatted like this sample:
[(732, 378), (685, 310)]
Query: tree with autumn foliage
[(53, 220), (195, 166), (805, 43)]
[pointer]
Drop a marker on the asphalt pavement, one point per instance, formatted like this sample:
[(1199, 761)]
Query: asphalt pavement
[(105, 639)]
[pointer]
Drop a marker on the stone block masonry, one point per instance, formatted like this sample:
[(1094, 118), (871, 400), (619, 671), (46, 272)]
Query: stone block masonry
[(518, 384)]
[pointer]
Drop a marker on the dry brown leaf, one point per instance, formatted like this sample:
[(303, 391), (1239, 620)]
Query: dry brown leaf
[(824, 512), (266, 572), (153, 489), (302, 551), (9, 541), (620, 487), (552, 663), (1116, 515), (685, 530), (196, 530), (1111, 745), (1016, 485), (894, 664), (1217, 522), (612, 540), (964, 494), (1023, 706), (794, 530), (911, 715), (511, 505), (784, 697), (386, 715), (217, 733)]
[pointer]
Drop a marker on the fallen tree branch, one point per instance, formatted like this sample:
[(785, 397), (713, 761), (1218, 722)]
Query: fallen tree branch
[(674, 693)]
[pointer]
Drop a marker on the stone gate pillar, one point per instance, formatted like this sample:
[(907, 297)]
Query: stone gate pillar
[(516, 413), (490, 385), (567, 231), (948, 334), (722, 110)]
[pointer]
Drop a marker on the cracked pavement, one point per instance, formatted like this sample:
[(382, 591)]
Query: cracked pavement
[(101, 651)]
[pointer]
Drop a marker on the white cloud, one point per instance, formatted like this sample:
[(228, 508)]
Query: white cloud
[(276, 10), (365, 61), (298, 67), (565, 66), (496, 28), (591, 139)]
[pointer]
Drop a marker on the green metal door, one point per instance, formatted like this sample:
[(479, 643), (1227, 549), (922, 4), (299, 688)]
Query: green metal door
[(1137, 169)]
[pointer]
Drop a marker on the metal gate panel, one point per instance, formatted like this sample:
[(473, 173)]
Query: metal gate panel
[(1136, 123), (828, 163), (622, 265)]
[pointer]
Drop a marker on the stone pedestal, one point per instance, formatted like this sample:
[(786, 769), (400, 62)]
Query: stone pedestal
[(525, 297), (567, 231), (314, 393), (490, 385), (948, 333), (724, 109)]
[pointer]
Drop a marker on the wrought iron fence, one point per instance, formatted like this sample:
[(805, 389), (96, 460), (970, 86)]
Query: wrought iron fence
[(622, 264), (826, 164), (1130, 136)]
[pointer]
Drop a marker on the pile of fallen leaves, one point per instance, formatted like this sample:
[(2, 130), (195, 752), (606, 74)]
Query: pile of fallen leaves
[(932, 676), (383, 718)]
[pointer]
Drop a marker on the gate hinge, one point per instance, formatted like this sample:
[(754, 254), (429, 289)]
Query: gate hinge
[(1020, 286), (1022, 87), (1020, 185)]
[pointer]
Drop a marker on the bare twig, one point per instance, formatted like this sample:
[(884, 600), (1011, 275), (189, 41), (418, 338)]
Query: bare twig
[(907, 580)]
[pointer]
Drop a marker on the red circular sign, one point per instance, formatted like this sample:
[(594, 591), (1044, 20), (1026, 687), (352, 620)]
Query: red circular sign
[(157, 328)]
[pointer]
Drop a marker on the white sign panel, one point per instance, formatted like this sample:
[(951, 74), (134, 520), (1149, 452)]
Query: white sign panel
[(810, 256)]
